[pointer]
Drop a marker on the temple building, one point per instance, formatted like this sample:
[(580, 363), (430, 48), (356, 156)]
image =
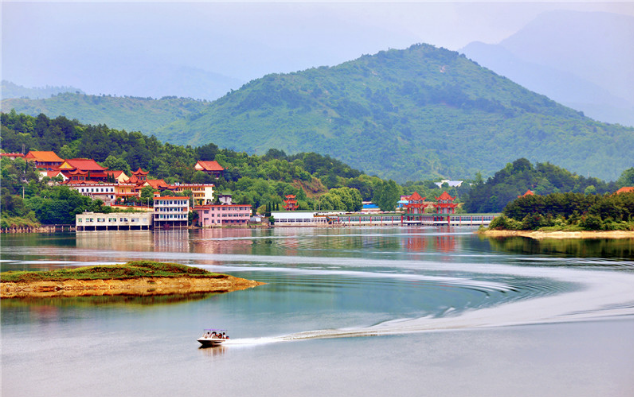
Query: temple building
[(47, 160), (528, 193), (139, 177), (415, 204), (93, 171), (445, 204), (212, 168), (290, 204)]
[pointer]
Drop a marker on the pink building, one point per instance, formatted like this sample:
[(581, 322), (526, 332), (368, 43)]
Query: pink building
[(223, 214)]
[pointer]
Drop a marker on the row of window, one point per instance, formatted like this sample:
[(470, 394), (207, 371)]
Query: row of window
[(243, 215), (113, 220), (168, 202), (170, 209), (171, 216), (96, 189)]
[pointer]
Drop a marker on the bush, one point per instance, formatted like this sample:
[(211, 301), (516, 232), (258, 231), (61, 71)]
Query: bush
[(591, 222)]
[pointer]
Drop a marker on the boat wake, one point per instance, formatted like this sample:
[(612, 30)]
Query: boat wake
[(602, 295)]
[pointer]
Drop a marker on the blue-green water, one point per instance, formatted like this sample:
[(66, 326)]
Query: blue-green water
[(354, 311)]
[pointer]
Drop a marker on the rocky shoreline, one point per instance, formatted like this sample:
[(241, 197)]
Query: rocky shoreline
[(539, 235), (142, 286)]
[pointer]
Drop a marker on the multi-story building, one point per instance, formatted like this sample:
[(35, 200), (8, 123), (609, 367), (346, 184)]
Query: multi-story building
[(171, 212), (203, 193), (215, 215), (106, 192)]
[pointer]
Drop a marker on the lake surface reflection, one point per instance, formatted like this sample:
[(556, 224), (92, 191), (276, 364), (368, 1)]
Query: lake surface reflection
[(353, 311)]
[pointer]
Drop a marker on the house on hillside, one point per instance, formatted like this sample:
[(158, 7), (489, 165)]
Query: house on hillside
[(449, 182), (528, 193), (88, 167), (629, 189), (11, 156), (212, 168), (46, 160), (118, 176)]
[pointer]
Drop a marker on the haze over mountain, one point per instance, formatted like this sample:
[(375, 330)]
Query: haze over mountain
[(12, 90), (203, 50), (581, 59), (408, 114)]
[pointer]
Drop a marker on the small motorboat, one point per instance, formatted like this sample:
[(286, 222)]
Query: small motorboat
[(213, 337)]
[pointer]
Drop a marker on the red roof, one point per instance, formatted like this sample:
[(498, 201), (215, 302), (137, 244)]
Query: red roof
[(140, 172), (116, 174), (625, 190), (44, 157), (210, 165), (445, 196), (528, 193), (415, 197), (157, 183), (85, 164), (14, 155)]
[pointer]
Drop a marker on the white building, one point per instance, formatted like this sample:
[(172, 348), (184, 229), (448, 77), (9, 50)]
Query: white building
[(171, 212), (113, 221)]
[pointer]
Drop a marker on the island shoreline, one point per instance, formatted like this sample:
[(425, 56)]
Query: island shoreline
[(142, 286), (559, 235)]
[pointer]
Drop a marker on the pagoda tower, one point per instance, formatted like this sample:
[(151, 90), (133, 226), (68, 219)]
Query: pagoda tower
[(445, 204), (416, 204), (139, 176), (290, 204)]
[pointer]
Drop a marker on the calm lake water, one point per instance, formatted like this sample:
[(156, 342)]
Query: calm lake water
[(353, 311)]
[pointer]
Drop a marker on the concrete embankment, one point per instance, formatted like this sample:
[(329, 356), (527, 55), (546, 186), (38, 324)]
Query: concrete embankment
[(539, 235), (144, 286)]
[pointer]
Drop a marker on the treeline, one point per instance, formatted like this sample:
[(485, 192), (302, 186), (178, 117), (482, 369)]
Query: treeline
[(319, 182), (518, 177), (568, 211)]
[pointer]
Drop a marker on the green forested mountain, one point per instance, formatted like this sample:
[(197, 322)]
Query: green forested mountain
[(408, 114), (542, 179), (128, 113)]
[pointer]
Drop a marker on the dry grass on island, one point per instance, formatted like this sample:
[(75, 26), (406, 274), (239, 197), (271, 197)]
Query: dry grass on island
[(559, 234), (140, 278)]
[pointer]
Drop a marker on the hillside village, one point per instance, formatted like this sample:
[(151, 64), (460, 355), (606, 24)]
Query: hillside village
[(161, 204)]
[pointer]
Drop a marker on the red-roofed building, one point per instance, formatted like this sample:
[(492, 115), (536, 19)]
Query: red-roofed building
[(445, 204), (415, 204), (212, 168), (528, 193), (48, 160), (12, 156), (119, 176), (625, 190), (290, 203), (94, 172)]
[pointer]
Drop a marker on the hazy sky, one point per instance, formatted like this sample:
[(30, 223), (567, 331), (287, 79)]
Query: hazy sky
[(84, 43)]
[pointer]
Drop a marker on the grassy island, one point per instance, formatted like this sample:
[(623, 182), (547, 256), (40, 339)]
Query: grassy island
[(138, 278)]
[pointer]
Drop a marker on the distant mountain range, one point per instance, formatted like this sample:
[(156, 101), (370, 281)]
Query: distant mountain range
[(127, 113), (580, 59), (413, 114), (11, 90), (408, 114)]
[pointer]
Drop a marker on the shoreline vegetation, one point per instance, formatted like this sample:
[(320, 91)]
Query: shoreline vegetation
[(140, 278), (559, 235)]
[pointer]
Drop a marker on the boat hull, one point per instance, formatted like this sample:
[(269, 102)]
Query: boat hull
[(208, 342)]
